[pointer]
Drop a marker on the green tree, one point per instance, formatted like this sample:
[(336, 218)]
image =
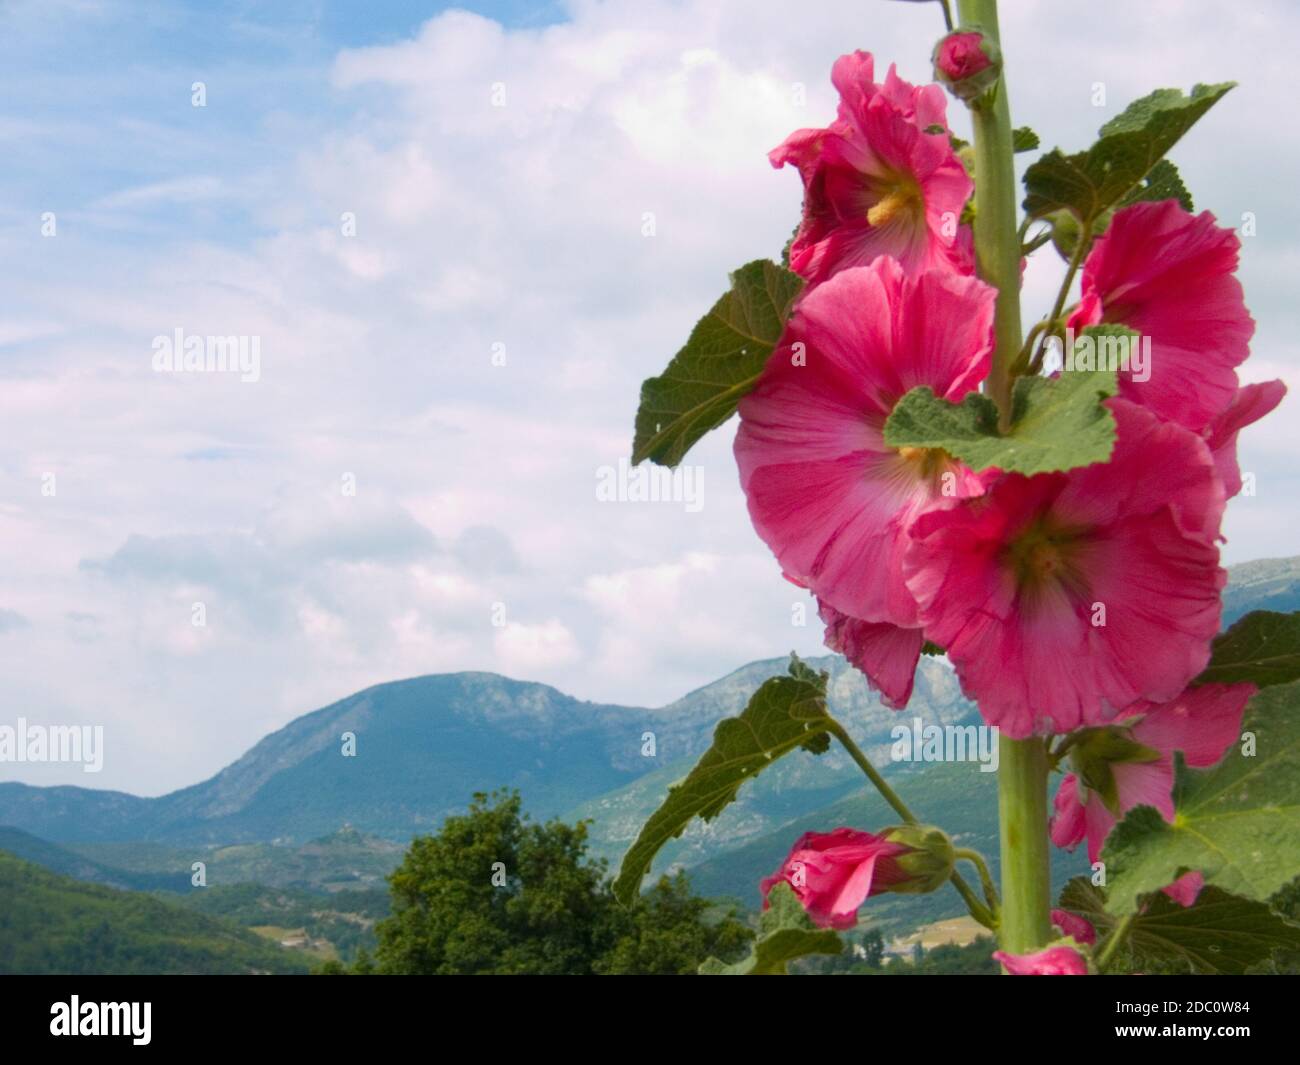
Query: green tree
[(496, 893), (670, 931)]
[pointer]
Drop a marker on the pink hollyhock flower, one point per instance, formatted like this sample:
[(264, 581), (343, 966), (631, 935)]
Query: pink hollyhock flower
[(875, 182), (1077, 928), (1131, 763), (887, 654), (825, 492), (833, 873), (1169, 275), (1064, 597), (1186, 889), (1250, 404), (1054, 961)]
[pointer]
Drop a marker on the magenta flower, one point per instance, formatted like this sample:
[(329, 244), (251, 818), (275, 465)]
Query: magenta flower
[(875, 181), (1170, 275), (1064, 598), (1131, 763), (1054, 961), (833, 873), (1250, 404), (825, 492)]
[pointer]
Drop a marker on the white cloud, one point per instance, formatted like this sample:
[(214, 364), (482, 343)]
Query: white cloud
[(479, 230)]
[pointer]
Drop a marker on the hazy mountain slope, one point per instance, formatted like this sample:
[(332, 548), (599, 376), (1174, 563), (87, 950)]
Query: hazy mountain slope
[(424, 745), (1266, 584), (67, 862), (343, 860), (53, 924), (800, 782)]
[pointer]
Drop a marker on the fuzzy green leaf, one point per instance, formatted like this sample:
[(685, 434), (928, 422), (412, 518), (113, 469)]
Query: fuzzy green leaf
[(785, 933), (1057, 424), (720, 363), (1130, 145), (784, 713), (1263, 648), (1220, 934), (1237, 822)]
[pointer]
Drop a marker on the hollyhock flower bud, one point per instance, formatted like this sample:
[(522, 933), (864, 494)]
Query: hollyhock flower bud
[(1054, 961), (928, 862), (1131, 763), (833, 873), (967, 63), (882, 179)]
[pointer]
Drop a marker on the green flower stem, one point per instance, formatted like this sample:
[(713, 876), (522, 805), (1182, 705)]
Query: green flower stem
[(1025, 917), (978, 910), (1052, 322), (1116, 938), (1024, 920), (986, 878), (873, 774), (997, 245)]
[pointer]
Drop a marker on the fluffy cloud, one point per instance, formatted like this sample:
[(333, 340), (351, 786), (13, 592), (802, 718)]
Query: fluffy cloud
[(456, 302)]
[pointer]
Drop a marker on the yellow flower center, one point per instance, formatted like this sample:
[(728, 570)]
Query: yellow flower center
[(926, 462), (902, 197)]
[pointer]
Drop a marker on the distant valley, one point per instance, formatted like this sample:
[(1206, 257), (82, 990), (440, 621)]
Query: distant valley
[(293, 820)]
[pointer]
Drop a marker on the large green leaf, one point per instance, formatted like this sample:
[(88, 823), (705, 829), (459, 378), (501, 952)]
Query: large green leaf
[(1129, 146), (1057, 423), (785, 932), (1220, 933), (1238, 822), (1263, 648), (720, 363), (784, 713)]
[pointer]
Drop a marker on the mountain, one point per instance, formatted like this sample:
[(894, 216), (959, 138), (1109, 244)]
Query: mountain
[(84, 867), (424, 745), (54, 924), (1266, 584)]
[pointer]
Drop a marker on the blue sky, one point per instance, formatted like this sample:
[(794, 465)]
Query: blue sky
[(478, 229)]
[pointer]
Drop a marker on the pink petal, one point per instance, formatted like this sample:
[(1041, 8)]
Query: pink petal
[(1054, 961), (1186, 889), (886, 654)]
